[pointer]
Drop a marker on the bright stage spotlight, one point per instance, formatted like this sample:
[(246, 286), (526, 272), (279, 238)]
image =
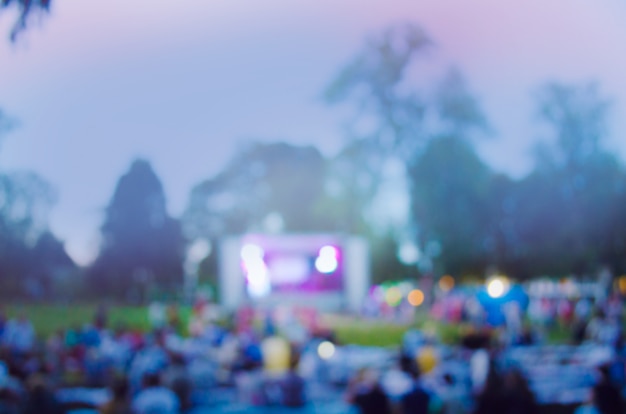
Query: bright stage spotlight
[(326, 261)]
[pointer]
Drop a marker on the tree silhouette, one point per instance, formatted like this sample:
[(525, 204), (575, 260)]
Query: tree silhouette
[(142, 246), (26, 10)]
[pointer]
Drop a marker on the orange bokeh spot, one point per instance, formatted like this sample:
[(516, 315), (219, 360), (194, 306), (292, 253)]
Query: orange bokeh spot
[(446, 283), (416, 297)]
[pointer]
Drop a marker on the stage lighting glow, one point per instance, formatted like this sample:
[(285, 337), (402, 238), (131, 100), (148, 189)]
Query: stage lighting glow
[(327, 262), (393, 296), (497, 287), (258, 280), (256, 270), (326, 350), (328, 251), (251, 252), (416, 297)]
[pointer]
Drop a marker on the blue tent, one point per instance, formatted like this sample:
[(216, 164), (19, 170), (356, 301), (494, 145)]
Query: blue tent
[(494, 307)]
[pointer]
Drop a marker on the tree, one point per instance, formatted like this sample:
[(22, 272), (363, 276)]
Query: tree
[(142, 246), (26, 10), (571, 202), (278, 180), (457, 110), (450, 190), (388, 111), (25, 200)]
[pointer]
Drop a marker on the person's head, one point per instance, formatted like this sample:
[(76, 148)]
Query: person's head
[(294, 360), (178, 359), (514, 379), (449, 379), (37, 383), (119, 389), (605, 373), (151, 379), (409, 366), (599, 313)]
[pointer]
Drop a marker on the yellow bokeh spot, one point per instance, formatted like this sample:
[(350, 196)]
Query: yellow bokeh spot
[(393, 296), (276, 354), (416, 297), (621, 283), (427, 360), (446, 283)]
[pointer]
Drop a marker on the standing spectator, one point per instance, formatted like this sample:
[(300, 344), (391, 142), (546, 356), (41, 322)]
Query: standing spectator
[(3, 323), (173, 319), (157, 315), (582, 310), (101, 317)]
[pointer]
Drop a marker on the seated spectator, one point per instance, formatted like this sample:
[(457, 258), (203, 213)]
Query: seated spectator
[(292, 386), (40, 399), (9, 393), (519, 398), (154, 398), (417, 400), (120, 403), (366, 394), (177, 378), (606, 395), (590, 407), (491, 399)]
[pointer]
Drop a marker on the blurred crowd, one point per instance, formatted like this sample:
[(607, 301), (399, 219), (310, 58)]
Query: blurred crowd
[(277, 361)]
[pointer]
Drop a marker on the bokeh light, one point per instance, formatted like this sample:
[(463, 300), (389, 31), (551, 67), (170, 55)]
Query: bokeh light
[(446, 283), (326, 350), (416, 297), (251, 252), (328, 251), (621, 284), (256, 270), (327, 262), (427, 359), (393, 296), (497, 287)]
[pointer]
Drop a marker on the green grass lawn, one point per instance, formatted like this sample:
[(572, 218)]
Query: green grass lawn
[(48, 319)]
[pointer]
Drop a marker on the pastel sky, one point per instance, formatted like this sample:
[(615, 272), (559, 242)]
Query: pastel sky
[(181, 83)]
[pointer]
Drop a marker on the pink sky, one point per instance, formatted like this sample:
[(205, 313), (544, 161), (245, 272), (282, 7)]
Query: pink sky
[(181, 82)]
